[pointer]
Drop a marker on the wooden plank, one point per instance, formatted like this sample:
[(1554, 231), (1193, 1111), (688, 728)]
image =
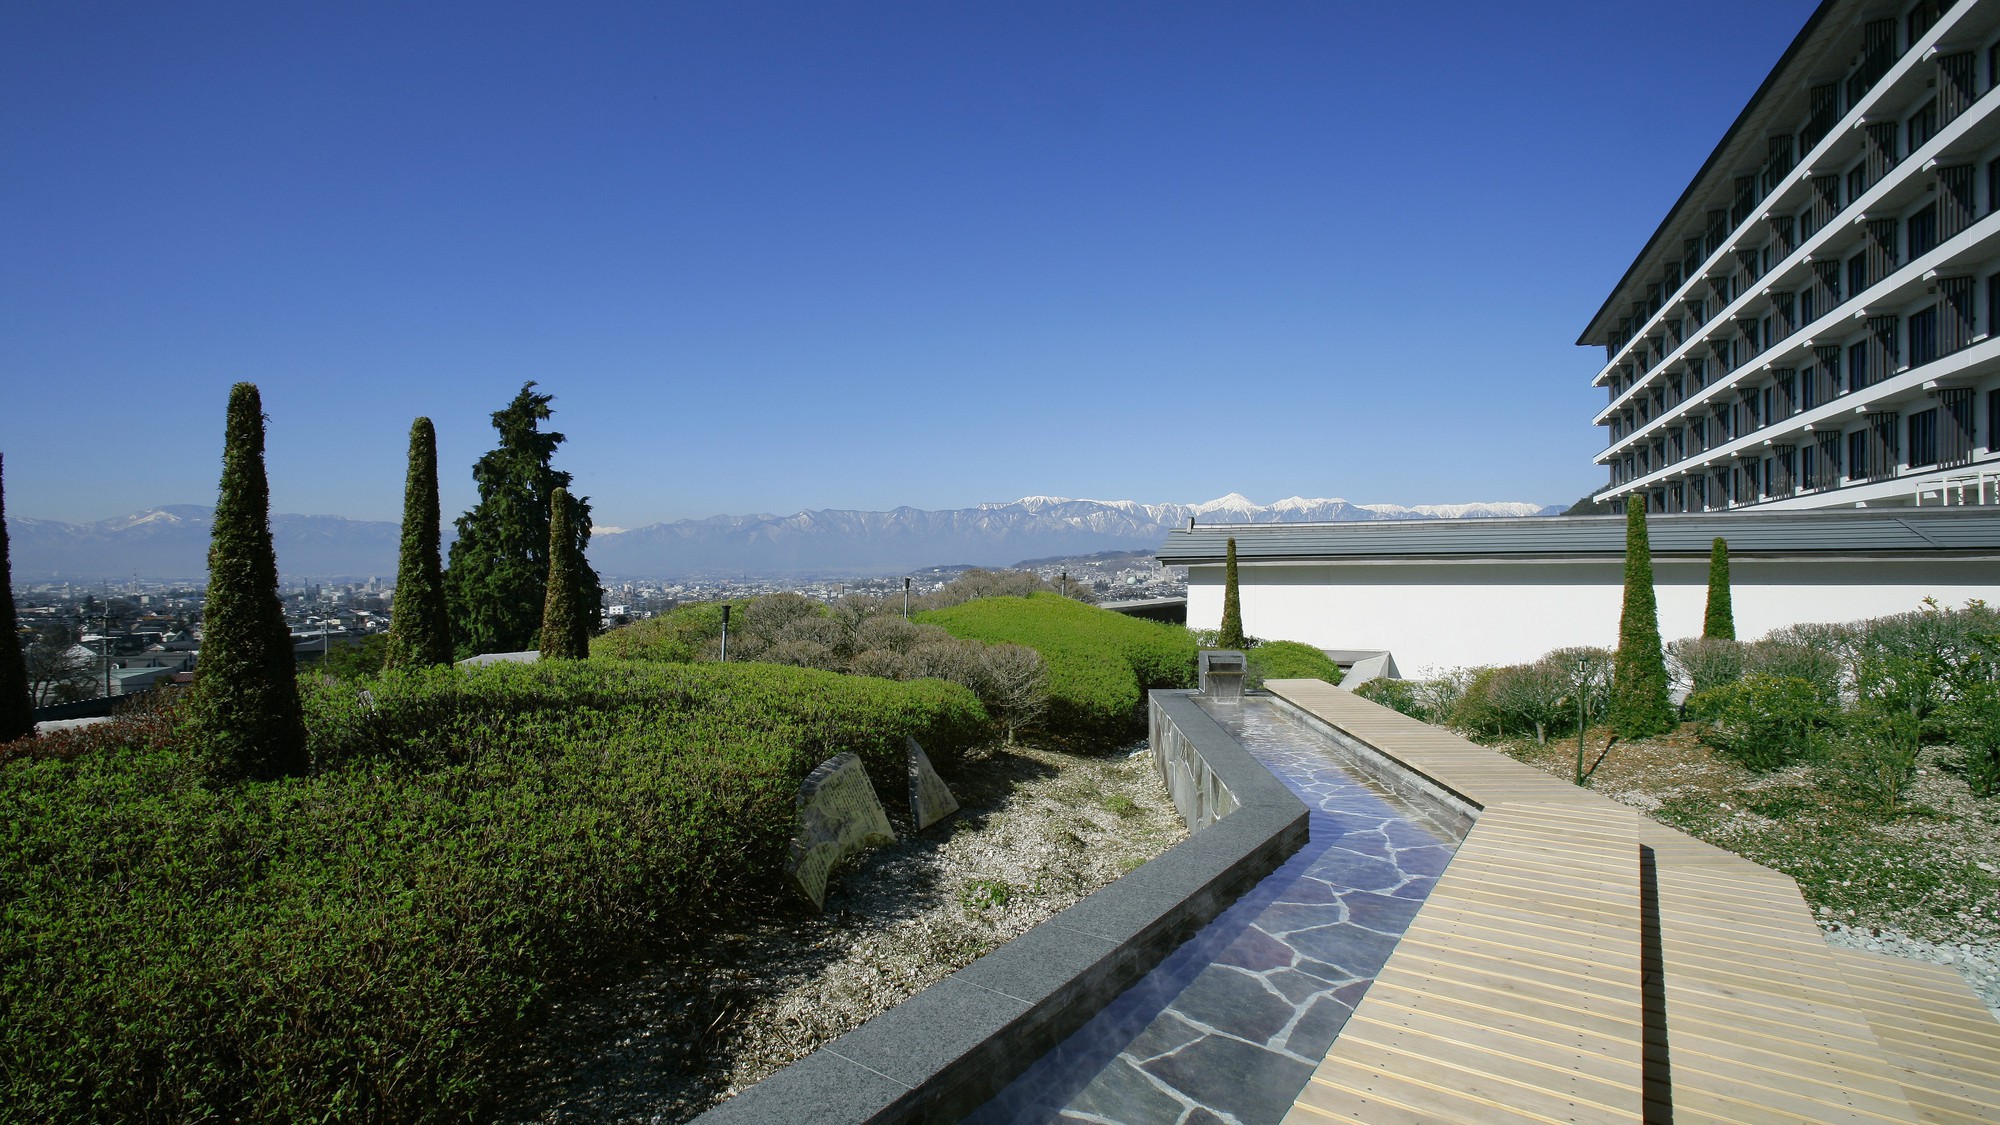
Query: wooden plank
[(1942, 1043), (1548, 1027), (1519, 975)]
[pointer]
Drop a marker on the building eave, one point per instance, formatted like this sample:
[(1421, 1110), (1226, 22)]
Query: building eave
[(1593, 332)]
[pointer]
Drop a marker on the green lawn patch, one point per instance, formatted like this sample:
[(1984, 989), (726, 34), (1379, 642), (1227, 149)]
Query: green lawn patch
[(1100, 663), (1292, 660)]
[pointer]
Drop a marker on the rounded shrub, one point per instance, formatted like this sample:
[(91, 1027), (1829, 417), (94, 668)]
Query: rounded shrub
[(1765, 722)]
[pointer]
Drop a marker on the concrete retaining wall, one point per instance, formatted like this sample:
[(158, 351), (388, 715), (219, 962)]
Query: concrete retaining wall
[(943, 1052)]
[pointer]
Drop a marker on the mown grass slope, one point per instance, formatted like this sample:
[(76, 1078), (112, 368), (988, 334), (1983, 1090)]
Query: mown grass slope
[(1100, 663)]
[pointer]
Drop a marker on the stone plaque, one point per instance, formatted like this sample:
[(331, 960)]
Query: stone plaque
[(930, 799), (838, 817)]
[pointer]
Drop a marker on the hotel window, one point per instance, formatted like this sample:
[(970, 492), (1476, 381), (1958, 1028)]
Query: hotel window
[(1857, 273), (1923, 336), (1923, 231), (1922, 18), (1922, 126), (1857, 455), (1857, 366), (1923, 438), (1857, 181), (1993, 421), (1993, 187)]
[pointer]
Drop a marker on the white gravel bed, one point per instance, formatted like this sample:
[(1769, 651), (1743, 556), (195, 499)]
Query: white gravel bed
[(683, 1029)]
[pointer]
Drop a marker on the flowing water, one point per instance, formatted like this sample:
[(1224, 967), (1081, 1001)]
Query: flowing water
[(1229, 1027)]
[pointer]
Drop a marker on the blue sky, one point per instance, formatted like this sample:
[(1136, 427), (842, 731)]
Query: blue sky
[(773, 256)]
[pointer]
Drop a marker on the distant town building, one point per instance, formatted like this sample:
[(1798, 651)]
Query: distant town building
[(1813, 323)]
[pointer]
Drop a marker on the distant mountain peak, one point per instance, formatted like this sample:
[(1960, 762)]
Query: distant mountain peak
[(172, 541)]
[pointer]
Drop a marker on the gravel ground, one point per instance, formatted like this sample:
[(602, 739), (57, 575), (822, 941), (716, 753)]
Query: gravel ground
[(676, 1033)]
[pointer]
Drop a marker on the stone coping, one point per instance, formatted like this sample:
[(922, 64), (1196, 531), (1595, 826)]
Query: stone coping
[(945, 1051)]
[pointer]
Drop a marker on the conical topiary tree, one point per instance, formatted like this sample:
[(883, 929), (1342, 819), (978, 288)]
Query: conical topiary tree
[(565, 628), (1720, 620), (17, 709), (245, 702), (419, 627), (1231, 635), (1639, 704)]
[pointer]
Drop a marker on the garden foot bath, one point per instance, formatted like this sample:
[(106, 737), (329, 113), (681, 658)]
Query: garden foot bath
[(1231, 1024)]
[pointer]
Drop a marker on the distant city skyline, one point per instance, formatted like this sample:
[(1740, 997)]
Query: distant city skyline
[(791, 257)]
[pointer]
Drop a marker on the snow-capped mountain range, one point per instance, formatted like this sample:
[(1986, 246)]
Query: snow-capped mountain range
[(172, 542)]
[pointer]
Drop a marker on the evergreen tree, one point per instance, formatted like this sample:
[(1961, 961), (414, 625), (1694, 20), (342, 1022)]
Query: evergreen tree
[(565, 622), (1720, 620), (497, 582), (245, 703), (1232, 604), (419, 628), (17, 708), (1639, 704)]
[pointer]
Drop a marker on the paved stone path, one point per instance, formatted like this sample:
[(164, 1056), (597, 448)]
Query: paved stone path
[(1230, 1026)]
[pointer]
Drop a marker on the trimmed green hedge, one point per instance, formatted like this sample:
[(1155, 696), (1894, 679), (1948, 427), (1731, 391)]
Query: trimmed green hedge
[(363, 942), (1292, 660), (677, 636), (1100, 663)]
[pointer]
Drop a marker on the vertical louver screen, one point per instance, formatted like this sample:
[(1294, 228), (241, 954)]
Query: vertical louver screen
[(1955, 85), (1954, 314), (1954, 203), (1955, 426)]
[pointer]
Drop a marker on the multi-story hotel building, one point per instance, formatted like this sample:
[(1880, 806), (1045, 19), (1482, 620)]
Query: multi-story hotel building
[(1817, 320)]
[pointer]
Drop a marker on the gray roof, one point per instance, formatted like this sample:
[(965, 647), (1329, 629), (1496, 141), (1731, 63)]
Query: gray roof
[(1846, 532)]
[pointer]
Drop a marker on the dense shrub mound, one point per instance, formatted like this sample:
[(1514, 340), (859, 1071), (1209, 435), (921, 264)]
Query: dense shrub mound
[(1100, 664), (1292, 660), (359, 942)]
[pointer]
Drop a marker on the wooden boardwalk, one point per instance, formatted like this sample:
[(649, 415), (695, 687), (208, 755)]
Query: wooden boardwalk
[(1578, 962)]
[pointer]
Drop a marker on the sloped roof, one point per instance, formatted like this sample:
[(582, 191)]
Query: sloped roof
[(1825, 532)]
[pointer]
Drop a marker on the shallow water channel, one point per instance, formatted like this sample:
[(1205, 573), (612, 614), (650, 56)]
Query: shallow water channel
[(1230, 1026)]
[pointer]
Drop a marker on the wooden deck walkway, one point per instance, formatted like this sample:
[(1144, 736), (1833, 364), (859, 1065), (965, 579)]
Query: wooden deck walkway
[(1578, 962)]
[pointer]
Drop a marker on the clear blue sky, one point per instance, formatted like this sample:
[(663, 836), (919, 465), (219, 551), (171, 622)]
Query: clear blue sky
[(773, 256)]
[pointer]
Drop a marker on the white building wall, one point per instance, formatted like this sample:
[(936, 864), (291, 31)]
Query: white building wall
[(1435, 615)]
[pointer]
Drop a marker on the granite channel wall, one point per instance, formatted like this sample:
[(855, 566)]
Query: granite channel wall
[(943, 1052)]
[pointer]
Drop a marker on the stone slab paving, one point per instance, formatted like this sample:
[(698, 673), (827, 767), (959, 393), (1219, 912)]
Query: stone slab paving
[(1230, 1026)]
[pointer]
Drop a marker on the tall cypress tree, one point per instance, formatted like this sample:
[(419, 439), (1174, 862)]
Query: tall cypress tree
[(245, 702), (1231, 635), (420, 629), (497, 582), (565, 629), (1720, 620), (1639, 704), (17, 709)]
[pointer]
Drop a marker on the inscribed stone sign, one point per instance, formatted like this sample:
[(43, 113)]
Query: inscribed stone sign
[(930, 798), (838, 817)]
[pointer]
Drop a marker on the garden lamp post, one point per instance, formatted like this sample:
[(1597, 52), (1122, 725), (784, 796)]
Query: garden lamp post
[(906, 598), (1582, 680), (1063, 585), (725, 632)]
